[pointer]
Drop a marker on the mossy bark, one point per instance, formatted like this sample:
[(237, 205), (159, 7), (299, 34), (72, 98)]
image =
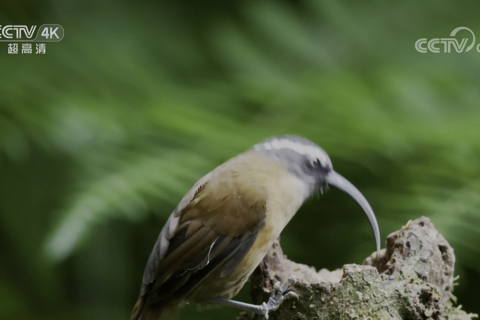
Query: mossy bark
[(411, 279)]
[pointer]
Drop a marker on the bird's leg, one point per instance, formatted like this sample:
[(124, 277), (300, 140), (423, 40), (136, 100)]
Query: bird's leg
[(276, 298)]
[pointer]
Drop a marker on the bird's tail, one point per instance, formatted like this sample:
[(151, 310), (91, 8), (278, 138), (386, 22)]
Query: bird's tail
[(141, 311)]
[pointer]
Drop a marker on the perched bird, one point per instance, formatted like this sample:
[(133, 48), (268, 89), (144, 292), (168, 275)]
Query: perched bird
[(222, 228)]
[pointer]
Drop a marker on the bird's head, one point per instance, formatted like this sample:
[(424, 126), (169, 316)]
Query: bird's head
[(312, 165)]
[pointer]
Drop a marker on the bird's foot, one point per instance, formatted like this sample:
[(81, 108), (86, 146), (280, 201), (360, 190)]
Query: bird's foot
[(278, 296)]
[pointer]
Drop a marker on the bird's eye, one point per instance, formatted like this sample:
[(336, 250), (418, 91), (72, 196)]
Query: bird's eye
[(316, 163)]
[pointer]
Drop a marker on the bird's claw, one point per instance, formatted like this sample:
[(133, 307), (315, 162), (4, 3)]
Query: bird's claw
[(278, 296)]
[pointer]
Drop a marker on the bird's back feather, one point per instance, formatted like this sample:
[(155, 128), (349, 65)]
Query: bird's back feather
[(212, 229)]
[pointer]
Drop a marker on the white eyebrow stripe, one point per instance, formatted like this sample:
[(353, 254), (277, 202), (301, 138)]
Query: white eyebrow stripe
[(307, 150)]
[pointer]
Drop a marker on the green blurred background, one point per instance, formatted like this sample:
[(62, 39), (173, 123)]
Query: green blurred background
[(102, 136)]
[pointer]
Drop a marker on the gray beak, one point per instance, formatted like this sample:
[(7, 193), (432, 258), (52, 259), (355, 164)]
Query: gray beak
[(343, 184)]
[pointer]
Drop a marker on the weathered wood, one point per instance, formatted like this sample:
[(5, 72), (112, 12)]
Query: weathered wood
[(411, 279)]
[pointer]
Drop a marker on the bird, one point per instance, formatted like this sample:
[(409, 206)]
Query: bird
[(224, 225)]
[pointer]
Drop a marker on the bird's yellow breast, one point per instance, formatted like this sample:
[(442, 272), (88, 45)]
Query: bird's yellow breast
[(285, 197)]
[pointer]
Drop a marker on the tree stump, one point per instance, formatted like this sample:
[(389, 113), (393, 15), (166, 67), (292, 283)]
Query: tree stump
[(411, 279)]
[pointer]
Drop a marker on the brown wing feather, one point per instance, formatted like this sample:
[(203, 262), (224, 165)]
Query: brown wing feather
[(214, 226)]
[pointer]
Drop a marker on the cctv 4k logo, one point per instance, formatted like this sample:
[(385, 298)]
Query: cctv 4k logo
[(24, 33), (448, 45), (13, 34)]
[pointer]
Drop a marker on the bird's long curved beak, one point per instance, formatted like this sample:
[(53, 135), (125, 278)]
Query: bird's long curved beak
[(343, 184)]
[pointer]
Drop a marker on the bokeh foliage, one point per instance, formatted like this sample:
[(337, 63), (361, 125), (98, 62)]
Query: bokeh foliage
[(101, 137)]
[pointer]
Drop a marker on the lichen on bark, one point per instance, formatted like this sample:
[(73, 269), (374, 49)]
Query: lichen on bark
[(411, 279)]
